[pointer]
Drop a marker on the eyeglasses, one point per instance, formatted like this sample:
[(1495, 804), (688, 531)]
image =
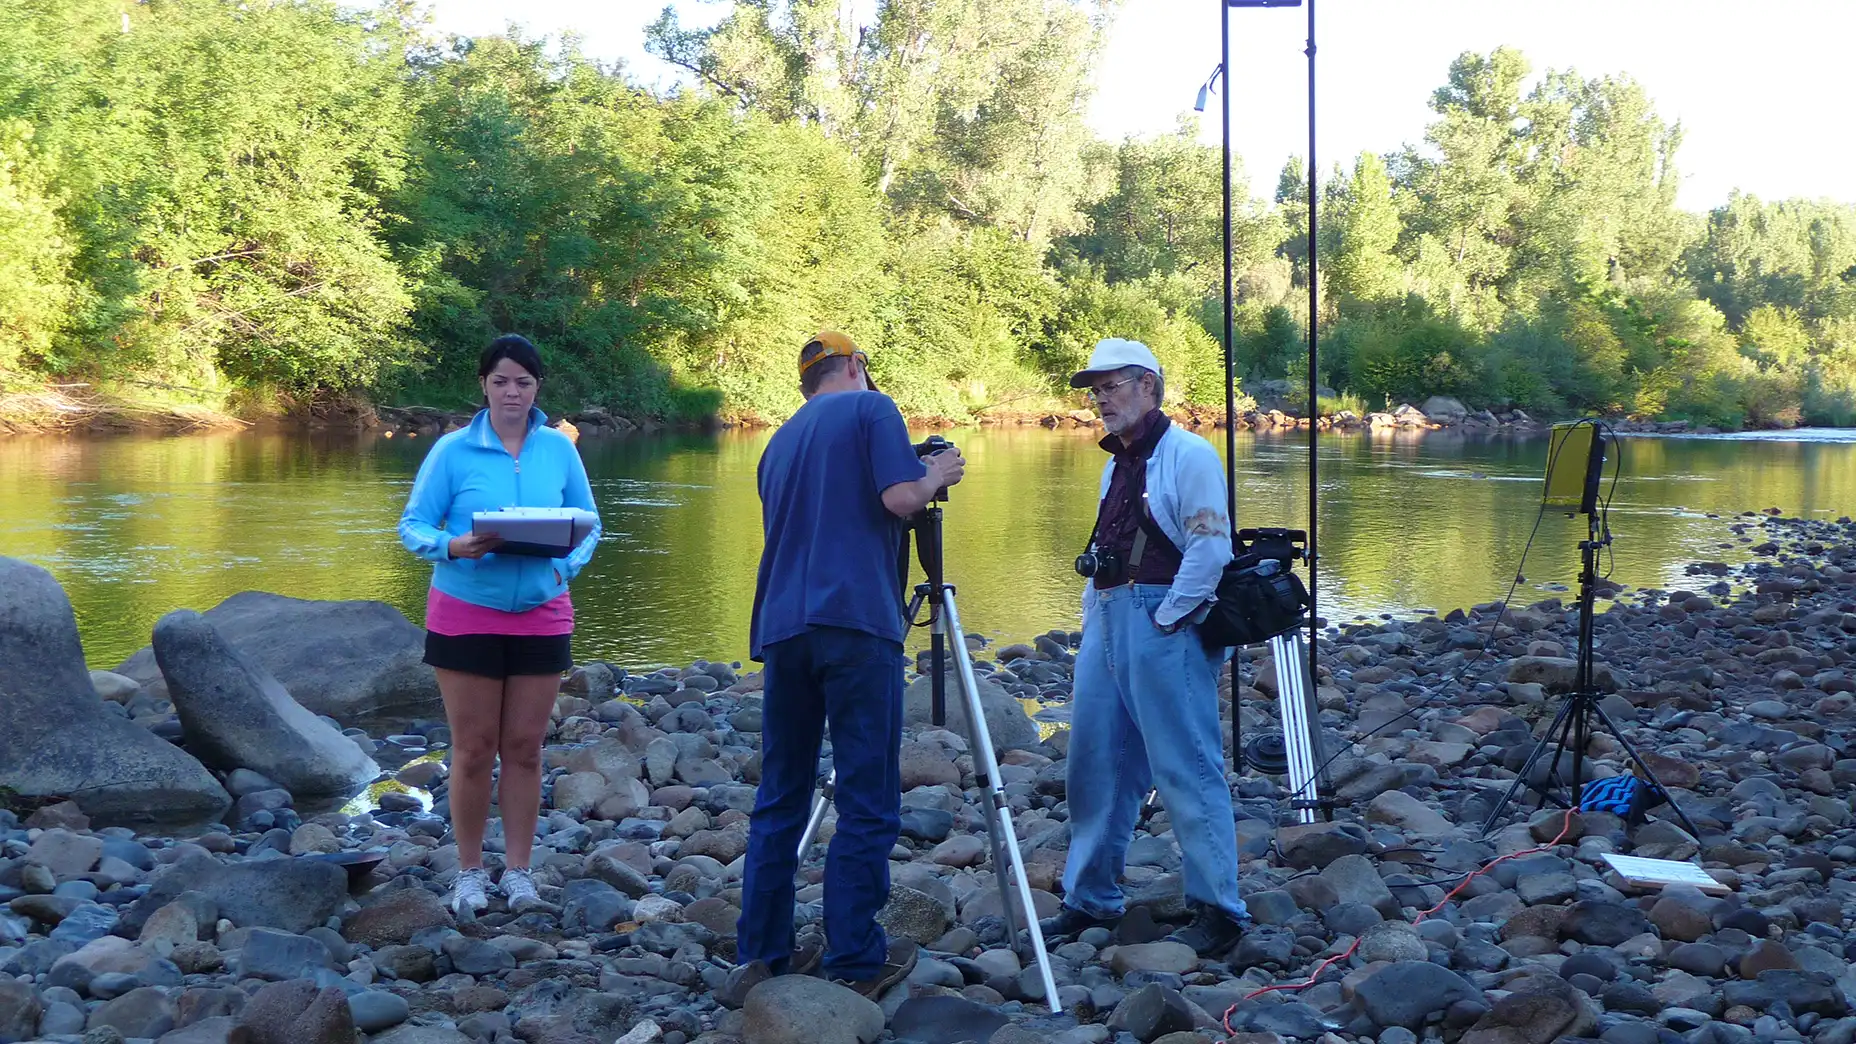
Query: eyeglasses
[(1103, 391)]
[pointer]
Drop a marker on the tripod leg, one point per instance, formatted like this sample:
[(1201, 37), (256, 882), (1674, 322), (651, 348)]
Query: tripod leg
[(1552, 778), (1292, 706), (987, 763), (817, 819), (1527, 769), (1648, 773)]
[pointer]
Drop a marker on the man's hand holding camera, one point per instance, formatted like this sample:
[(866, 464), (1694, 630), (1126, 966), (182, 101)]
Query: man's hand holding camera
[(946, 468)]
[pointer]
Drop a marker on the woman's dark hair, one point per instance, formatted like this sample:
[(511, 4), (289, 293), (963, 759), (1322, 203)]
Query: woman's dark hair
[(516, 349)]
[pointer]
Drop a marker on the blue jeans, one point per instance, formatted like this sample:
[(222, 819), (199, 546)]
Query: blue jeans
[(854, 681), (1145, 712)]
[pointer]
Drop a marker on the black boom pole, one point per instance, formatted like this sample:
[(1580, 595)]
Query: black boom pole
[(1314, 318)]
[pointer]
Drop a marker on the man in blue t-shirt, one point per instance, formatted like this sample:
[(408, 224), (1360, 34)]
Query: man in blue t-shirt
[(837, 483)]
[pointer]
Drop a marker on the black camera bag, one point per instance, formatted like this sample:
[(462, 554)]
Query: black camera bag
[(1254, 603)]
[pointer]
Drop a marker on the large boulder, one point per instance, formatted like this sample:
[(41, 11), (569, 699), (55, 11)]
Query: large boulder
[(294, 895), (237, 716), (57, 738), (1444, 410), (353, 661), (1006, 720)]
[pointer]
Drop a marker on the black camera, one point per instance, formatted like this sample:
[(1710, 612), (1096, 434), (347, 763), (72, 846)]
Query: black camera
[(928, 447), (931, 445), (1098, 562)]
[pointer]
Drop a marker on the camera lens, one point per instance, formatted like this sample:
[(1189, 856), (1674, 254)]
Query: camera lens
[(1086, 564)]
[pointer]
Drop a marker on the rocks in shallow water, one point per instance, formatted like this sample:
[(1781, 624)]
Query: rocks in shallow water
[(56, 736), (236, 715)]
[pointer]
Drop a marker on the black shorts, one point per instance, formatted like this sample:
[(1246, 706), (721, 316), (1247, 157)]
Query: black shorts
[(500, 655)]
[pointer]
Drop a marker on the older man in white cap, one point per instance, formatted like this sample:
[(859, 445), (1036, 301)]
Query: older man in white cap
[(1145, 710)]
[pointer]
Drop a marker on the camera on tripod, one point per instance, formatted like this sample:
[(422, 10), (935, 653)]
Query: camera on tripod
[(930, 446)]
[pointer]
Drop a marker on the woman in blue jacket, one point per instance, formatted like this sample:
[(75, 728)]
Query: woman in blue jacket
[(498, 627)]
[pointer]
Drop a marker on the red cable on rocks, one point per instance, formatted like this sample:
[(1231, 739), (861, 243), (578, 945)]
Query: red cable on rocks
[(1565, 828)]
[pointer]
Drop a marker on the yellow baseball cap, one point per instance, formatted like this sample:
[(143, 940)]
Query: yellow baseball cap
[(829, 343)]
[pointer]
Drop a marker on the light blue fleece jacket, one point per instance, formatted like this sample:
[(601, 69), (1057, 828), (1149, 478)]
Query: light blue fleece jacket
[(469, 471)]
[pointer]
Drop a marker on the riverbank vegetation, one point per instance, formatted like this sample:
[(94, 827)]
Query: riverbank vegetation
[(295, 203)]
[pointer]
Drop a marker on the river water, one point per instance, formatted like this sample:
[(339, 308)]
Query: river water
[(136, 526)]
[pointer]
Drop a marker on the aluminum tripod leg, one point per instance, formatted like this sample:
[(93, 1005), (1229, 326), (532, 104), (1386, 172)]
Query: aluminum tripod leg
[(987, 763), (817, 818), (1301, 724)]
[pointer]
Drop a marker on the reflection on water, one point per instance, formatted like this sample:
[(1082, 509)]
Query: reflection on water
[(135, 527)]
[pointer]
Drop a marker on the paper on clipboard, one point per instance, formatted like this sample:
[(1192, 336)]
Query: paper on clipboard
[(540, 532)]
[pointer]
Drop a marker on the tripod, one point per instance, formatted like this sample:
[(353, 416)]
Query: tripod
[(945, 619), (1580, 708)]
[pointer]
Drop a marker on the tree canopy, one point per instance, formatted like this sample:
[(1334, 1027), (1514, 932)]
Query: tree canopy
[(301, 197)]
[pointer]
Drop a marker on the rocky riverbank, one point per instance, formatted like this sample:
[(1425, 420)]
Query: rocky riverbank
[(280, 924)]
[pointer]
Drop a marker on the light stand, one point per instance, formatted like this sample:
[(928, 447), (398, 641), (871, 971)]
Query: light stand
[(1570, 728), (947, 634), (1309, 783)]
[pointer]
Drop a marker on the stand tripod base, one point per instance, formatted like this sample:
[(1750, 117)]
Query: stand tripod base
[(1008, 863)]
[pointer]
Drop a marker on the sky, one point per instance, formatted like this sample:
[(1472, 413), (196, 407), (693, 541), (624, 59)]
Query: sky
[(1761, 87)]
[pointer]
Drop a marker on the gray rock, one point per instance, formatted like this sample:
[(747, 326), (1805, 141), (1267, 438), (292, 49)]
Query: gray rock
[(913, 915), (421, 1035), (237, 715), (297, 1013), (1006, 719), (1318, 844), (1356, 879), (1548, 888), (798, 1009), (1392, 941), (376, 1010), (293, 895), (945, 1020), (144, 1012), (1399, 809), (353, 661), (57, 738), (64, 853), (215, 1030), (1406, 993), (477, 957), (1598, 923), (394, 916), (20, 1010), (1151, 1013), (281, 956)]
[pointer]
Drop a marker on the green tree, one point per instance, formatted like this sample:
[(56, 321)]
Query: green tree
[(1364, 265)]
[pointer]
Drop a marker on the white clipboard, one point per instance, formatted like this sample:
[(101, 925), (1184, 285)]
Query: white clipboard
[(539, 532)]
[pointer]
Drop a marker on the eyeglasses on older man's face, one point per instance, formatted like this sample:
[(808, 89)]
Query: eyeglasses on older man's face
[(1101, 392)]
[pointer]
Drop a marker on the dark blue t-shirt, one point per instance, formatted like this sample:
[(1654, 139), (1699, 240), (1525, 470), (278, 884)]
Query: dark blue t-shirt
[(830, 554)]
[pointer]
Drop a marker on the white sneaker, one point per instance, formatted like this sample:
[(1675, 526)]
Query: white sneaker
[(518, 887), (471, 891)]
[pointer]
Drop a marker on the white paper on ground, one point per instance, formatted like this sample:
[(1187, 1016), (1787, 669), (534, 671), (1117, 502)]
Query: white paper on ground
[(1656, 873), (546, 532)]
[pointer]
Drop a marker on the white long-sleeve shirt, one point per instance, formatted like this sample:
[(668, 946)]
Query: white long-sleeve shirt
[(1186, 495)]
